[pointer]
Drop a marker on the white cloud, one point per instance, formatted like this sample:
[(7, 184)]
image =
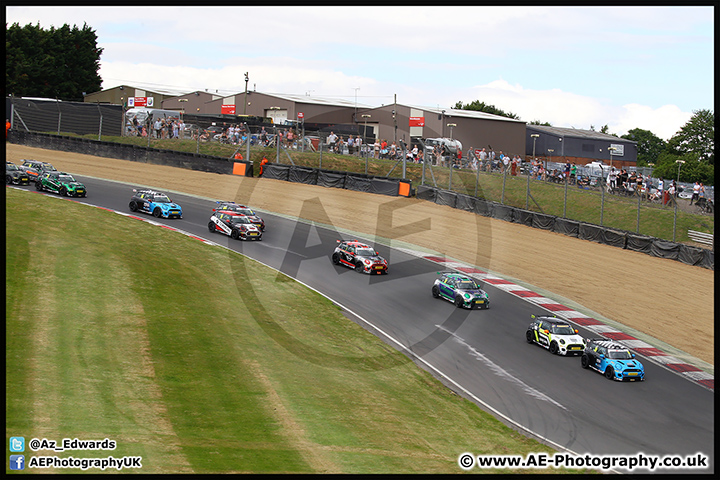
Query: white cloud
[(570, 66)]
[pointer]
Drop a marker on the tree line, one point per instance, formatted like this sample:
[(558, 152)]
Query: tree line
[(60, 63)]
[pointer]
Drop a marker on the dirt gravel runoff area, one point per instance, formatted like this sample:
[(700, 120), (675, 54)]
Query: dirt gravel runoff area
[(665, 299)]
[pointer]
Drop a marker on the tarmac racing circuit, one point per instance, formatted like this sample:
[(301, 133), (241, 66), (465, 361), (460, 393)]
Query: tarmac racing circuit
[(480, 354)]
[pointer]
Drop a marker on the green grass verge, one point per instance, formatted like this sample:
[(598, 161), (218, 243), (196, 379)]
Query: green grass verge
[(581, 205), (116, 328)]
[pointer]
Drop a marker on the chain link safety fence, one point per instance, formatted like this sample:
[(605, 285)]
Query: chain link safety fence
[(533, 193)]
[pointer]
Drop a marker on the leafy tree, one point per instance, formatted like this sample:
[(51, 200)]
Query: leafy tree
[(694, 144), (538, 122), (483, 107), (58, 63), (649, 145), (692, 170), (696, 138)]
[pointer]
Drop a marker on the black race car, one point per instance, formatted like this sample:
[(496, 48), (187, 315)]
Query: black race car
[(34, 168), (15, 175), (359, 256), (237, 226)]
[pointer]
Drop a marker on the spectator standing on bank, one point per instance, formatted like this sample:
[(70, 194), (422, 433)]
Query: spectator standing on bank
[(331, 139), (290, 138), (376, 148), (483, 158), (671, 192), (696, 192), (351, 145), (358, 144), (573, 173), (157, 126)]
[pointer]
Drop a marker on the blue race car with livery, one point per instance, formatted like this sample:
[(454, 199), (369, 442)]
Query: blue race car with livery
[(612, 360), (461, 290), (155, 203)]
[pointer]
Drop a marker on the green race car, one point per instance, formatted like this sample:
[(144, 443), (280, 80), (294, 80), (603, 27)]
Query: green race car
[(61, 183)]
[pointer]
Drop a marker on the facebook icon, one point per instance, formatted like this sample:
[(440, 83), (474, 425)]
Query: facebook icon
[(17, 462)]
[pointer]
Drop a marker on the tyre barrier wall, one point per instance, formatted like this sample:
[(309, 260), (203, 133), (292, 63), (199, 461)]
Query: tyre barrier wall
[(617, 238), (335, 179), (134, 153)]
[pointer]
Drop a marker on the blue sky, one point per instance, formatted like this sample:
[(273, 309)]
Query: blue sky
[(625, 67)]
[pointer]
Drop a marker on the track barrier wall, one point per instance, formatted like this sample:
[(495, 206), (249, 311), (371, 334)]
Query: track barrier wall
[(372, 184), (133, 153), (617, 238), (334, 179)]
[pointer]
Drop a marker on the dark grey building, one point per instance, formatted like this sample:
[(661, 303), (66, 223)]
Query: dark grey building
[(559, 144)]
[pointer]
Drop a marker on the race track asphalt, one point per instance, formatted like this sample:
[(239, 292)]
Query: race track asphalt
[(481, 354)]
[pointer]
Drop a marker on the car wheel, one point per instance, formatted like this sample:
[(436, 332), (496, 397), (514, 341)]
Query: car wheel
[(584, 361), (8, 180), (554, 348), (359, 267), (335, 258), (609, 373), (529, 336), (211, 227), (63, 192), (435, 291), (234, 235), (38, 186), (458, 302), (157, 213), (133, 207)]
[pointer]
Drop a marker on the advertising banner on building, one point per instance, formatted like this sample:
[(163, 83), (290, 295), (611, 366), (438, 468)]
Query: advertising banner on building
[(140, 102), (227, 109)]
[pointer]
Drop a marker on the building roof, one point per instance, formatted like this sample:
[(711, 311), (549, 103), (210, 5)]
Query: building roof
[(314, 100), (452, 112), (576, 132)]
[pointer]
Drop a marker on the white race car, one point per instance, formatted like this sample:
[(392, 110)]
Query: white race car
[(555, 335)]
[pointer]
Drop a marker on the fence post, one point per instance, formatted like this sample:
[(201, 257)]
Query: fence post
[(59, 115), (567, 180), (527, 192), (477, 173), (364, 152), (101, 120), (405, 152), (247, 141), (602, 201), (502, 198), (674, 216)]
